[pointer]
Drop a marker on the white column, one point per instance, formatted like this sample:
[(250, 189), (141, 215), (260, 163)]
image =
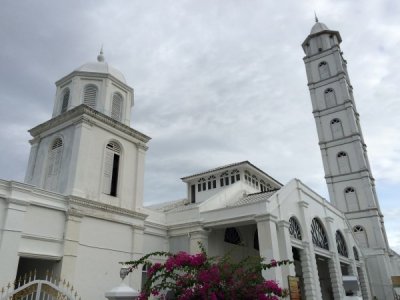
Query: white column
[(10, 239), (285, 247), (364, 284), (267, 237), (309, 269), (135, 279), (196, 237), (335, 272), (139, 184), (308, 263)]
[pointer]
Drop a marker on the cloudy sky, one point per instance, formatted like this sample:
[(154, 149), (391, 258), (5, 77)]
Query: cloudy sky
[(215, 82)]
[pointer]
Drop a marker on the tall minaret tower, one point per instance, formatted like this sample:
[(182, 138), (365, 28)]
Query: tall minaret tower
[(347, 170)]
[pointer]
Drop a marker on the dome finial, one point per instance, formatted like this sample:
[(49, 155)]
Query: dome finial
[(316, 18), (100, 57)]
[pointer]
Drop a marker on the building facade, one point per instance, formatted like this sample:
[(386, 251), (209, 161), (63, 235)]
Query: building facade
[(80, 210)]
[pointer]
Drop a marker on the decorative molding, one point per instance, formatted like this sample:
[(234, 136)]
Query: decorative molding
[(105, 207), (85, 114)]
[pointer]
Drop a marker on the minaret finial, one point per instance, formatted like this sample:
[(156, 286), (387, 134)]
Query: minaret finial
[(100, 57), (316, 18)]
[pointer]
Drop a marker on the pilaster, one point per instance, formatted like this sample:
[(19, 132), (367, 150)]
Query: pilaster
[(196, 237), (10, 238), (335, 272), (267, 237), (312, 288), (71, 244), (285, 247)]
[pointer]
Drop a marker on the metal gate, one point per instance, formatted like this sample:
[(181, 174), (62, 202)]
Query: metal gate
[(30, 288)]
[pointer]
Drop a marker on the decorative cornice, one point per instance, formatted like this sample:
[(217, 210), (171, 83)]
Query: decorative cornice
[(105, 207), (87, 115), (266, 217)]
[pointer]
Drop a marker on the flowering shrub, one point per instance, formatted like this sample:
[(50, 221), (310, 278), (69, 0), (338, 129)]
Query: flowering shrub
[(201, 277)]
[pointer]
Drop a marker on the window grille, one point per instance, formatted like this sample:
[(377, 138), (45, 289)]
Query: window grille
[(232, 236), (90, 95), (294, 228), (116, 107), (318, 234), (224, 180), (341, 244), (65, 100)]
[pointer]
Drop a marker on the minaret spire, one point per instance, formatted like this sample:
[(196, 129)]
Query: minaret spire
[(316, 18), (100, 57)]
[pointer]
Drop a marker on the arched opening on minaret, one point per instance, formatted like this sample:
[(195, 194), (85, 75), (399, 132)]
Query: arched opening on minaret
[(330, 98), (343, 162), (323, 69)]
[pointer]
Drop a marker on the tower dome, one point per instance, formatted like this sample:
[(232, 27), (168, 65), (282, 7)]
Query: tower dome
[(101, 67), (318, 27), (97, 85)]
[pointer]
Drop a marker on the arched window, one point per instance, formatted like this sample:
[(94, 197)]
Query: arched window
[(254, 181), (90, 95), (355, 252), (330, 98), (201, 185), (350, 196), (343, 162), (247, 177), (341, 244), (111, 168), (144, 275), (212, 182), (64, 100), (232, 236), (323, 69), (318, 234), (256, 244), (235, 176), (117, 106), (294, 228), (361, 236), (53, 164), (224, 180), (262, 186), (336, 128)]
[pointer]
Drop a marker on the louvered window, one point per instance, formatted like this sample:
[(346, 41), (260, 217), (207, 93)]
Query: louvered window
[(90, 95), (53, 165), (116, 107), (65, 100), (111, 168)]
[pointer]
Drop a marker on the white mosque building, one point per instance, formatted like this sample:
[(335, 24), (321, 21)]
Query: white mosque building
[(80, 209)]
